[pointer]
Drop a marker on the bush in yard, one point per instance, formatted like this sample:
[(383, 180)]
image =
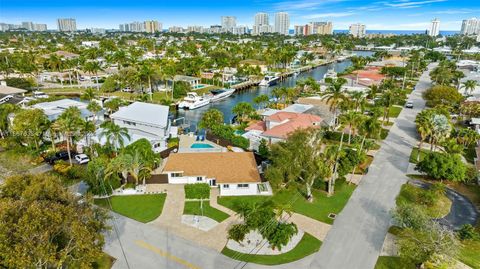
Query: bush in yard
[(241, 142), (61, 167), (468, 232), (443, 166), (237, 232), (409, 216), (197, 191)]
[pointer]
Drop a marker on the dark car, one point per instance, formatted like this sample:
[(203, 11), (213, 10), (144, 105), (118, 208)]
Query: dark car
[(61, 155)]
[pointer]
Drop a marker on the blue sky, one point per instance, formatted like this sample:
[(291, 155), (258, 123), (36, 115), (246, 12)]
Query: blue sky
[(377, 15)]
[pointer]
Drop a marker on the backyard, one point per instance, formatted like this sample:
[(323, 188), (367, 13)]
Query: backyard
[(143, 208)]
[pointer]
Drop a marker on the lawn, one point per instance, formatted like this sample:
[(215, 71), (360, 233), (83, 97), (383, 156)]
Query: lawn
[(387, 262), (16, 161), (143, 208), (414, 155), (193, 208), (319, 209), (76, 90), (104, 262), (395, 111), (413, 195), (470, 253), (305, 247)]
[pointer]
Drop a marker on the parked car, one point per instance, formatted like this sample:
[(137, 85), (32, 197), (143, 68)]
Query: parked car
[(82, 158), (409, 104), (61, 155)]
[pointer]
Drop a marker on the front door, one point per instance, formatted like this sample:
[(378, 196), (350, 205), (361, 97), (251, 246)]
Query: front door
[(213, 182)]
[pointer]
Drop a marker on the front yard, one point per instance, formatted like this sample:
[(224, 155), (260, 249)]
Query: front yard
[(193, 208), (319, 209), (305, 247), (143, 208)]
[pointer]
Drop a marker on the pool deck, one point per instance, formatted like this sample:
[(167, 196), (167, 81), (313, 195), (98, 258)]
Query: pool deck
[(186, 142)]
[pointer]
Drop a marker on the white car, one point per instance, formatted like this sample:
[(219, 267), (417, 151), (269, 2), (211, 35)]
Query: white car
[(82, 158), (409, 104)]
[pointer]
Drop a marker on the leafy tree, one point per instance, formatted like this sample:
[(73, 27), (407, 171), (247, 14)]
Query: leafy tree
[(467, 232), (243, 111), (263, 149), (43, 225), (211, 118), (442, 95), (409, 215), (237, 232), (5, 111), (180, 89), (22, 83), (29, 126), (96, 179), (443, 166)]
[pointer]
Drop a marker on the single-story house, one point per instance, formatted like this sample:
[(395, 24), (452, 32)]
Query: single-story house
[(366, 77), (144, 120), (277, 127), (54, 109), (235, 173), (7, 90), (192, 81)]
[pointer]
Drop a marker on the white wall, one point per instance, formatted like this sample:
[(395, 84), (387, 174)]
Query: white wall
[(184, 180), (233, 190)]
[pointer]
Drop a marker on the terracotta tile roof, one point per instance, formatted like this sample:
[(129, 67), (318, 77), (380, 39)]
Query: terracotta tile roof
[(225, 167), (294, 121)]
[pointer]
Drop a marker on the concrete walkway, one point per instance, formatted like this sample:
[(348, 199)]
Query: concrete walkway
[(357, 236)]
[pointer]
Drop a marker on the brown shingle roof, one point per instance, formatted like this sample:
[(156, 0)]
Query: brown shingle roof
[(225, 167)]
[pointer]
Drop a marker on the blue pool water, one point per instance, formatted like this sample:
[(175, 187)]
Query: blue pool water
[(201, 146)]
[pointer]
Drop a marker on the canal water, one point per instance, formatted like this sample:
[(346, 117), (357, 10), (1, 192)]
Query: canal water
[(192, 117)]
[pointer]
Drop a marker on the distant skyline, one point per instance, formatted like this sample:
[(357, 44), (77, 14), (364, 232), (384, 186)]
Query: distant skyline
[(377, 15)]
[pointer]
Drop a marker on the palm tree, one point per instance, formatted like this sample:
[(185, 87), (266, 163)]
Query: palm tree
[(114, 134), (137, 166), (469, 85), (93, 67), (89, 94), (424, 123), (359, 100), (353, 119), (334, 95), (87, 129), (261, 100), (94, 107), (68, 124)]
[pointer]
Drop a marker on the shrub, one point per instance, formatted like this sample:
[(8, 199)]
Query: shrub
[(197, 191), (61, 167), (77, 172), (241, 142), (467, 231), (443, 166), (237, 232)]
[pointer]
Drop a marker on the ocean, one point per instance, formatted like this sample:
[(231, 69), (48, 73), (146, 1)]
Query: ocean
[(401, 32)]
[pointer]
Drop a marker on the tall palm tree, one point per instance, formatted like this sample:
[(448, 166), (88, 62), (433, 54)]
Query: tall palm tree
[(353, 119), (93, 67), (89, 94), (469, 85), (69, 122), (334, 95), (424, 126), (87, 129), (114, 134), (94, 107)]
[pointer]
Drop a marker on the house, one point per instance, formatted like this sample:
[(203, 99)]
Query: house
[(235, 173), (365, 77), (10, 95), (54, 109), (278, 126), (192, 81), (144, 120)]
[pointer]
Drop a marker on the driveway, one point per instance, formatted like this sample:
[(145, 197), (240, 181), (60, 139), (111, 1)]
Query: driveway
[(462, 211), (357, 236)]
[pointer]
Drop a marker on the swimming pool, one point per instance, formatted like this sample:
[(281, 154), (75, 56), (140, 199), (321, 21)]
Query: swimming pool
[(201, 146)]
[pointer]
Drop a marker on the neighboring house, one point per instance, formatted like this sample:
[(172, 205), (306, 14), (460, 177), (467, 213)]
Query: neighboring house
[(278, 126), (192, 81), (54, 109), (144, 120), (10, 95), (365, 77), (235, 173)]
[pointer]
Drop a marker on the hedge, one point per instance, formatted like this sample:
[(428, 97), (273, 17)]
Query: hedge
[(197, 191)]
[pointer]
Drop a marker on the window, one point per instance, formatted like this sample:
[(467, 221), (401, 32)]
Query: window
[(199, 179), (242, 186), (176, 174), (226, 186), (129, 123)]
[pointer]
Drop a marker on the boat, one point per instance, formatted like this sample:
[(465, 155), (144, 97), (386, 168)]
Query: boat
[(193, 101), (330, 74), (268, 81), (221, 94)]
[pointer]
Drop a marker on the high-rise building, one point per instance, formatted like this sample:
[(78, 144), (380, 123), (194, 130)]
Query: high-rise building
[(229, 22), (322, 27), (176, 29), (67, 25), (470, 27), (305, 30), (358, 30), (240, 30), (40, 27), (435, 28), (261, 24), (195, 28), (28, 25), (282, 23), (152, 26)]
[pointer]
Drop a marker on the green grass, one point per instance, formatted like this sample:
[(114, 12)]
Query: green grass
[(414, 155), (143, 208), (470, 253), (104, 262), (413, 195), (305, 247), (387, 262), (16, 161), (193, 208), (319, 209), (395, 111)]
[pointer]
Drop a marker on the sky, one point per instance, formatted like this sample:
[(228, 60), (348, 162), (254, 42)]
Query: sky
[(377, 15)]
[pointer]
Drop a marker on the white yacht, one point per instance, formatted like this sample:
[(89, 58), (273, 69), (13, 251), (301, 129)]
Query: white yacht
[(193, 101), (268, 81), (330, 74), (221, 94)]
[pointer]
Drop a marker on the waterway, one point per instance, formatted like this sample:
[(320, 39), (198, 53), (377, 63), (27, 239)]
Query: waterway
[(192, 117)]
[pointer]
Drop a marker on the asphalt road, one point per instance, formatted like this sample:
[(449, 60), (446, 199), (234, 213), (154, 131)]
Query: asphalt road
[(357, 236)]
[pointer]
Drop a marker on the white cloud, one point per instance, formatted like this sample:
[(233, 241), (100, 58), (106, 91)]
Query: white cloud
[(407, 3), (303, 4), (328, 15)]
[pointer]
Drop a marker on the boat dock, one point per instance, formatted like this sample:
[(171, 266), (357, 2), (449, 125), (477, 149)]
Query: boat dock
[(245, 85)]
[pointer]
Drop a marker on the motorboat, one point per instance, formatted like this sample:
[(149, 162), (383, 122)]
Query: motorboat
[(194, 101), (268, 81), (221, 94), (330, 74)]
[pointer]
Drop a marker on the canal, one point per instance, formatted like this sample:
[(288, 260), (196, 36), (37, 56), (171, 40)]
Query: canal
[(192, 117)]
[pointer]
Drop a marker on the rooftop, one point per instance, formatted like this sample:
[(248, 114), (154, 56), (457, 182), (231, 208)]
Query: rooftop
[(144, 113), (225, 167), (4, 89), (53, 109)]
